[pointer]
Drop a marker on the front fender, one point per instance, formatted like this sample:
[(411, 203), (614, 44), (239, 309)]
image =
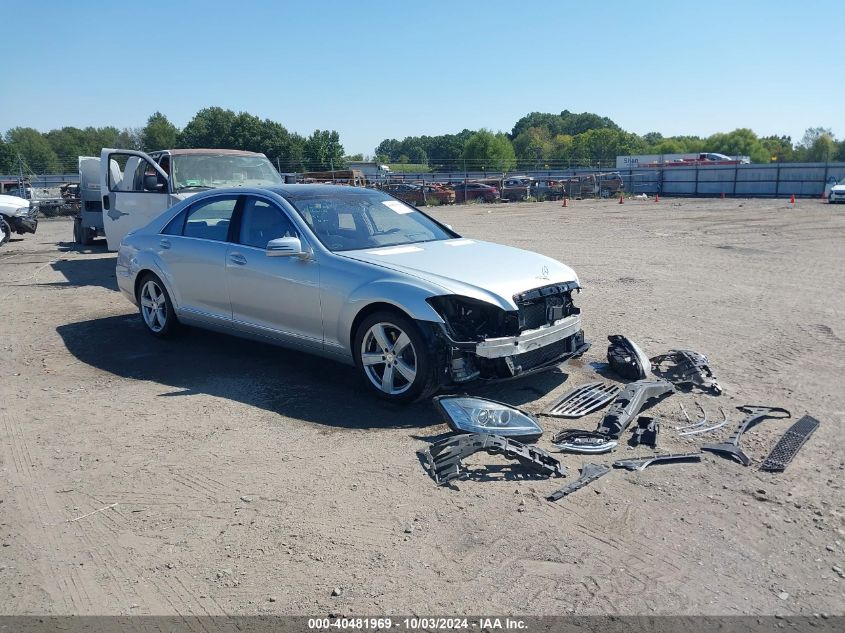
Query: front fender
[(406, 297)]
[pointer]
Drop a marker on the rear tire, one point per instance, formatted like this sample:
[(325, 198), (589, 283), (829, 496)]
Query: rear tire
[(155, 308), (394, 359)]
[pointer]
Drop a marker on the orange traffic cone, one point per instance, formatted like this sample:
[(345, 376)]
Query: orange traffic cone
[(621, 199), (657, 197), (792, 199), (564, 202)]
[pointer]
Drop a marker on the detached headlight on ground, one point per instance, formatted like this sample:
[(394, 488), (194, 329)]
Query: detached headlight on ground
[(468, 414)]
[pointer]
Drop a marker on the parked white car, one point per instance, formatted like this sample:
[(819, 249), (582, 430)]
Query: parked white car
[(837, 192)]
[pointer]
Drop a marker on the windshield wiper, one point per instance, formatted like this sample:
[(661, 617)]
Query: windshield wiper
[(186, 187)]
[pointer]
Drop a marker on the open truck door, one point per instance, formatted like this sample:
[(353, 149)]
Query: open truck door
[(134, 189)]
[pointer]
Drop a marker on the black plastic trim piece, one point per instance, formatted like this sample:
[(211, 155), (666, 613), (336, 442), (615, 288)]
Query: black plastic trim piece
[(756, 414), (686, 369), (629, 403), (578, 441), (444, 457), (789, 444), (589, 473), (645, 462)]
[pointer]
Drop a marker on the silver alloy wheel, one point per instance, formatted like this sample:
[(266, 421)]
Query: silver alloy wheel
[(389, 358), (153, 306)]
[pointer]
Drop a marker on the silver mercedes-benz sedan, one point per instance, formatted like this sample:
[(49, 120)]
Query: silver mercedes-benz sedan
[(354, 275)]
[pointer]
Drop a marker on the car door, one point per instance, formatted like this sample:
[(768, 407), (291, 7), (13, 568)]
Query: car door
[(192, 248), (277, 297), (134, 191)]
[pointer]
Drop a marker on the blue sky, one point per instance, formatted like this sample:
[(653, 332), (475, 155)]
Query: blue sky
[(373, 70)]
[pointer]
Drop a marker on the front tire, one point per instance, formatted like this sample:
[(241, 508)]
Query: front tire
[(155, 308), (393, 358)]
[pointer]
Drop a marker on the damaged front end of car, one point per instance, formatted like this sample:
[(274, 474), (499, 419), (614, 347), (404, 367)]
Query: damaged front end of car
[(484, 341)]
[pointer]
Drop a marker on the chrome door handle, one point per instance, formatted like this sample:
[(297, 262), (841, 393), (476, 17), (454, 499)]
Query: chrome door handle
[(164, 243), (237, 258)]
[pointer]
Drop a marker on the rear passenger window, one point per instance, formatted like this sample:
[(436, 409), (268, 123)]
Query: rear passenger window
[(209, 219)]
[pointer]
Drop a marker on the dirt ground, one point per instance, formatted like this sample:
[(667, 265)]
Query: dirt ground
[(212, 475)]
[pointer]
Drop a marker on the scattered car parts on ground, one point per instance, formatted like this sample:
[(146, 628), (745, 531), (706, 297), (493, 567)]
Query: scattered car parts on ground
[(789, 444), (646, 431), (708, 429), (589, 473), (686, 369), (645, 462), (445, 457), (695, 424), (626, 358), (582, 400), (629, 403), (470, 414), (756, 414), (578, 441)]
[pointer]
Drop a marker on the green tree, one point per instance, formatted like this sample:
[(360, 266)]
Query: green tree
[(489, 152), (159, 133), (36, 152), (533, 146), (323, 151), (8, 158), (779, 148), (389, 150), (740, 142), (564, 123), (210, 127), (357, 158)]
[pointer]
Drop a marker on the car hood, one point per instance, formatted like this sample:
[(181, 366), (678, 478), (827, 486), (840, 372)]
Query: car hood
[(13, 206), (482, 270), (838, 188)]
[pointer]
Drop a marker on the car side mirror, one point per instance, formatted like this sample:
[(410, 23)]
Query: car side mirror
[(152, 183), (285, 247)]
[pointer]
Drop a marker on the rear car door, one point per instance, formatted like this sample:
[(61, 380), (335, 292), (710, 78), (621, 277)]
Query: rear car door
[(193, 249), (276, 297), (134, 191)]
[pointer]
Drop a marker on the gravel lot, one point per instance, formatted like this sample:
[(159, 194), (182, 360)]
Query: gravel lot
[(223, 476)]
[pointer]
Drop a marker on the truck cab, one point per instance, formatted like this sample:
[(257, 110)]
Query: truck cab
[(136, 187)]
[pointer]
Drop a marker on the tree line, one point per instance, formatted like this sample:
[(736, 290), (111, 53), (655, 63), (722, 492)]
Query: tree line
[(56, 151), (537, 141), (546, 141)]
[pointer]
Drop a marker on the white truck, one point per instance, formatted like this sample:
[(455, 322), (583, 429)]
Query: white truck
[(135, 187)]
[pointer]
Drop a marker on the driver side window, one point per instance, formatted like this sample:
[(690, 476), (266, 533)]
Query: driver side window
[(262, 221)]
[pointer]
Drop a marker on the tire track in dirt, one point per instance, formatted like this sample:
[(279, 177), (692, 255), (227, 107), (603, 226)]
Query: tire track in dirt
[(61, 580)]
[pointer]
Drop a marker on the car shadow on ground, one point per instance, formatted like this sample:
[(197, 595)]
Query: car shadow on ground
[(97, 246), (286, 382), (85, 272)]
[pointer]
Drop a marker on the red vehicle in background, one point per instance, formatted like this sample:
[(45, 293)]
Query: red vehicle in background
[(475, 191)]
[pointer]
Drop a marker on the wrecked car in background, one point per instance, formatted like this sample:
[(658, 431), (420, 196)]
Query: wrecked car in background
[(17, 215), (356, 276), (419, 194), (136, 187)]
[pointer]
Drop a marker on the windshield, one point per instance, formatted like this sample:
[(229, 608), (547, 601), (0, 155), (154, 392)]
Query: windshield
[(364, 218), (210, 171)]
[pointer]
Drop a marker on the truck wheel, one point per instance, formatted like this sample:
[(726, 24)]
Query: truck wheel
[(87, 236), (5, 231)]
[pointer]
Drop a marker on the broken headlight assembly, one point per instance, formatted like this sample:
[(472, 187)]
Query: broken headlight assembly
[(469, 414), (469, 319)]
